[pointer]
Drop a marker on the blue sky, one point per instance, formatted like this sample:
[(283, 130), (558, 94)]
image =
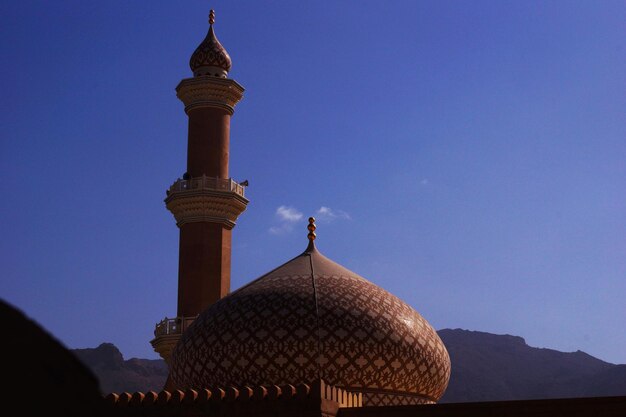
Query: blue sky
[(467, 156)]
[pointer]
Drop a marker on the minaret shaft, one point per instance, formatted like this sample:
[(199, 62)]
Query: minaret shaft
[(205, 247), (208, 142), (204, 266), (206, 203)]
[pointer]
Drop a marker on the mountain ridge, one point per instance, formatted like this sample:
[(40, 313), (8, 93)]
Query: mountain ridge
[(119, 375), (485, 367), (488, 367)]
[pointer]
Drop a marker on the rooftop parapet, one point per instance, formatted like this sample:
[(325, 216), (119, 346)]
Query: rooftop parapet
[(318, 398)]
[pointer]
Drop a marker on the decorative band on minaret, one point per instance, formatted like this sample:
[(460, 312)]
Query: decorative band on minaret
[(205, 202)]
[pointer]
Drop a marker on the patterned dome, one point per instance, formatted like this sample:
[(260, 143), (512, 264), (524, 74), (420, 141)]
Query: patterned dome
[(210, 57), (312, 318)]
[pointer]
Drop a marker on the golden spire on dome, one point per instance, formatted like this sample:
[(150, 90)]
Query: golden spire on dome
[(211, 17), (311, 227)]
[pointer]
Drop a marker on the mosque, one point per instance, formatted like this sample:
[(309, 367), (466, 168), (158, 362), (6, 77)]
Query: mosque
[(309, 338), (309, 319)]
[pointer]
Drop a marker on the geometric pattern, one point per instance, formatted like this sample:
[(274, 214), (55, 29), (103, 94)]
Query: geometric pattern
[(210, 53), (375, 399), (308, 319)]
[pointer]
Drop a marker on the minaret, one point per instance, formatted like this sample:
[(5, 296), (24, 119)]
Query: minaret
[(206, 201)]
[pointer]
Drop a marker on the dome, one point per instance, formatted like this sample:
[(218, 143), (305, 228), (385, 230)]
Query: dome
[(308, 319), (210, 57)]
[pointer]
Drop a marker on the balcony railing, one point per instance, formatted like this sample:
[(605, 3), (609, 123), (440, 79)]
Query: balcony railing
[(173, 326), (207, 183)]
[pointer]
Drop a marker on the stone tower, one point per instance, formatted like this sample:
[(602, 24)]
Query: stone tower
[(206, 201)]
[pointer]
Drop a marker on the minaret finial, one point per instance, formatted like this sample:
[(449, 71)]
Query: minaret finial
[(311, 227), (211, 17)]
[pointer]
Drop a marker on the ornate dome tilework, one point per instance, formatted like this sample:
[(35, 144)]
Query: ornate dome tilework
[(312, 318), (210, 57)]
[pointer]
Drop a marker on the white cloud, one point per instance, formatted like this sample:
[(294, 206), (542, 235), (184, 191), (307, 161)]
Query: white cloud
[(424, 181), (326, 214), (281, 230), (288, 214)]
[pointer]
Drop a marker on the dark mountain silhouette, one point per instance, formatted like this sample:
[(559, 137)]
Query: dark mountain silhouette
[(485, 367), (489, 367), (119, 375)]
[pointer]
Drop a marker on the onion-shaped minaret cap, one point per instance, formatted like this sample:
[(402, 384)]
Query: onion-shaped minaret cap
[(210, 57)]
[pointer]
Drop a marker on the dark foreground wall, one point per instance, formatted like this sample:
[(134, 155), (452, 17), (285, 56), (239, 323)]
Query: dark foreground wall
[(321, 400), (570, 407)]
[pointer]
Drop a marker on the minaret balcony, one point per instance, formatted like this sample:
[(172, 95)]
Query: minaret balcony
[(206, 199), (167, 333), (176, 325), (207, 183)]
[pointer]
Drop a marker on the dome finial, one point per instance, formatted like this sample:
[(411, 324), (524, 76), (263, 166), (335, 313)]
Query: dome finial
[(311, 227), (211, 17)]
